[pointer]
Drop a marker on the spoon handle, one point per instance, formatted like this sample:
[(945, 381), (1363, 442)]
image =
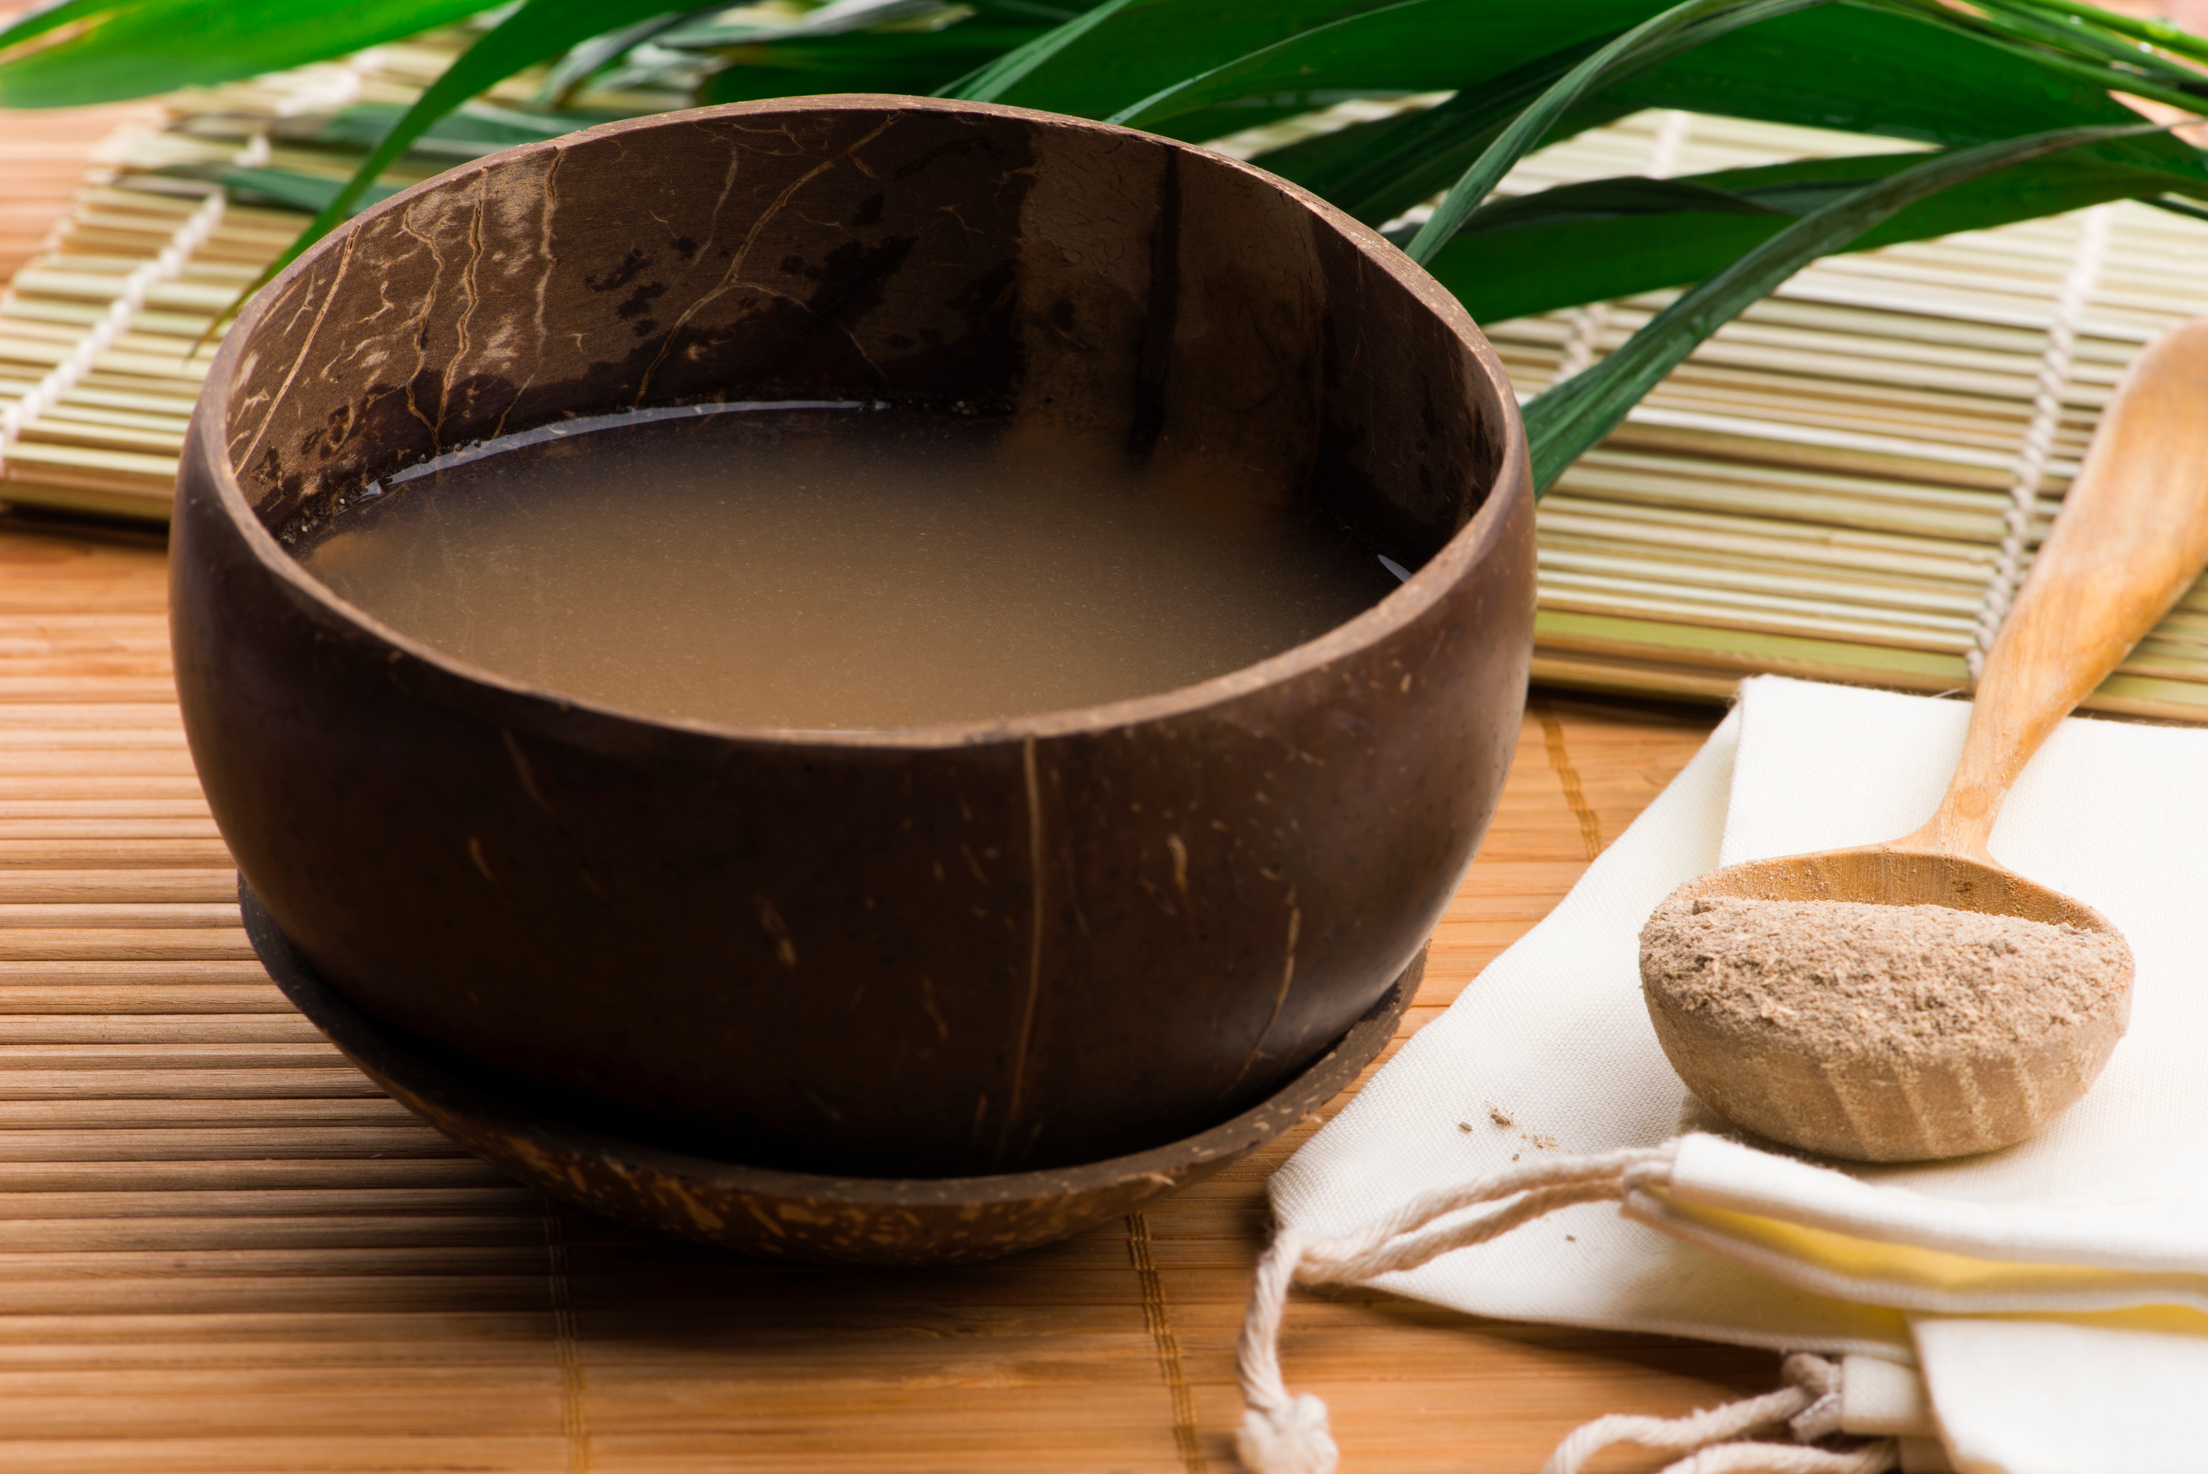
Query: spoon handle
[(2131, 538)]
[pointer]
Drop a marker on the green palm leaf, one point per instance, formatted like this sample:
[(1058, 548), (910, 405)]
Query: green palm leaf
[(539, 29), (1566, 420), (1657, 39), (107, 50), (1581, 243)]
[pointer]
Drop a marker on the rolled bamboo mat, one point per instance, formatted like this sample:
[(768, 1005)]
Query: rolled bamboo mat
[(1847, 482), (1844, 484), (106, 331)]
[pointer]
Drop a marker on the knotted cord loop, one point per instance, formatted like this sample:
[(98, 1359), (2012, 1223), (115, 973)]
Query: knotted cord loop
[(1809, 1405), (1286, 1434)]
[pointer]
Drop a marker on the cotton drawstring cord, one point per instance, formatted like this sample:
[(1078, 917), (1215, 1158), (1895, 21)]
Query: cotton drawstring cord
[(1287, 1434), (1284, 1433), (1788, 1458), (1809, 1405)]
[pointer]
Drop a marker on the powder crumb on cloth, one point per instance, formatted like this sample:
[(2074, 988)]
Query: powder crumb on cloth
[(1851, 977)]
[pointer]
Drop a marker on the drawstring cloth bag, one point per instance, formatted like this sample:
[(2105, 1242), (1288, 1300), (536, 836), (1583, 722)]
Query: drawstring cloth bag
[(1531, 1155)]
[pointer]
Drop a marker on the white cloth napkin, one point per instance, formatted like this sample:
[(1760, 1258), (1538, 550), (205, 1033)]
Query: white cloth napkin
[(2053, 1297)]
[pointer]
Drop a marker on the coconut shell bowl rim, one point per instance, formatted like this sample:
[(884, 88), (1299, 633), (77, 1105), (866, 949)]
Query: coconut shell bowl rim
[(1457, 559), (557, 1154)]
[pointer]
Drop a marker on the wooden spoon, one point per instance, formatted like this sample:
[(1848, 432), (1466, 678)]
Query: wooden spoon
[(2131, 538)]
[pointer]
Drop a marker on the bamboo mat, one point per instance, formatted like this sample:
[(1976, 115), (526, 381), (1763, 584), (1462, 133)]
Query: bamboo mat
[(222, 1250)]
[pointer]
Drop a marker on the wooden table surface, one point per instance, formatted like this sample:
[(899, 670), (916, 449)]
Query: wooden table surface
[(221, 1251)]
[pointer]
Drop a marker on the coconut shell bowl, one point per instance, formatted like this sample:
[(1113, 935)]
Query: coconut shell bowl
[(899, 996)]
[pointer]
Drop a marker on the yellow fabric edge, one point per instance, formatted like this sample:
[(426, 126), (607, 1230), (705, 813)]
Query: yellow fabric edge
[(1932, 1270)]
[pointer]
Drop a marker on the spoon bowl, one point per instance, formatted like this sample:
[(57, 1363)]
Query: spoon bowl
[(1959, 1100)]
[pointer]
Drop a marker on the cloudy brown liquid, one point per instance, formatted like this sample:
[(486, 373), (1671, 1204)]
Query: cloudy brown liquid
[(841, 568)]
